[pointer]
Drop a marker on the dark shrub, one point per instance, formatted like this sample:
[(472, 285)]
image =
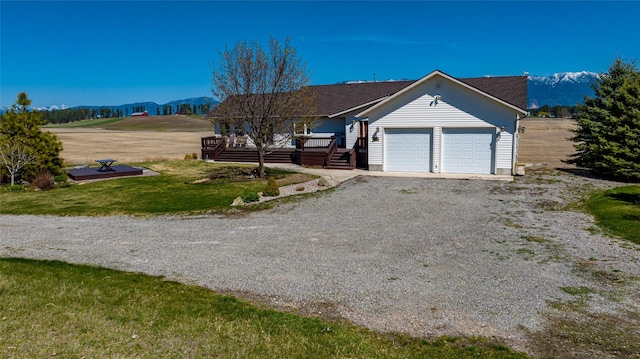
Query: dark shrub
[(250, 197), (43, 181), (60, 178), (271, 189)]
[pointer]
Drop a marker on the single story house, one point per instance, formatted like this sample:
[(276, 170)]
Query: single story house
[(438, 123)]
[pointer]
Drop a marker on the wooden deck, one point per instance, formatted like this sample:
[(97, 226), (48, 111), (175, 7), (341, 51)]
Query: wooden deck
[(89, 173), (314, 152)]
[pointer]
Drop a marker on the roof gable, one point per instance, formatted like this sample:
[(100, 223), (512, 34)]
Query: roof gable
[(511, 88)]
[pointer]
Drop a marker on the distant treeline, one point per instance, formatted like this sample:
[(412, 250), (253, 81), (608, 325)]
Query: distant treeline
[(555, 111), (77, 114)]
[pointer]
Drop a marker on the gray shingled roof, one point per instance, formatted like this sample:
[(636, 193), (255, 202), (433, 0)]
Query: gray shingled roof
[(333, 99), (511, 89)]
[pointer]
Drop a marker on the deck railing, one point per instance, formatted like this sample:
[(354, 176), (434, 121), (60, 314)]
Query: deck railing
[(313, 143), (314, 151), (352, 158), (212, 146), (331, 149)]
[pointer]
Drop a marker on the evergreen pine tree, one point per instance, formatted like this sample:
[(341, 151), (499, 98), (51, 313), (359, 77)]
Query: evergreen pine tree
[(607, 135), (23, 126)]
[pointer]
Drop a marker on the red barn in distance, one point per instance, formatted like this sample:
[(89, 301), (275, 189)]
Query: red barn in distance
[(139, 114)]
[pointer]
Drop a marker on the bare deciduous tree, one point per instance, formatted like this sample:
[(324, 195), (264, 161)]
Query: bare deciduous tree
[(263, 91), (15, 155)]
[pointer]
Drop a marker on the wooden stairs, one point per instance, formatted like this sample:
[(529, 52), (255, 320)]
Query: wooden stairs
[(340, 160)]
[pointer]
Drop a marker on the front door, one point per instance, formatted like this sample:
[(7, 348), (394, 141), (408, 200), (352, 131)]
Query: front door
[(362, 157), (363, 133)]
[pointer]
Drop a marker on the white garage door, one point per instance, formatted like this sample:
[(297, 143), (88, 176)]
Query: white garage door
[(467, 150), (407, 150)]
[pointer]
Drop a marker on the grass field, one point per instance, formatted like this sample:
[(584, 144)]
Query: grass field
[(153, 123), (133, 139), (618, 211), (171, 192), (54, 309), (544, 142)]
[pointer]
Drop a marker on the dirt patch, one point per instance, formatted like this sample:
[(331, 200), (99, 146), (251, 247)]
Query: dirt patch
[(545, 141)]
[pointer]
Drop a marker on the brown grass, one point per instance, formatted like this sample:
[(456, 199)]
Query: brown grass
[(545, 141), (134, 139), (85, 145)]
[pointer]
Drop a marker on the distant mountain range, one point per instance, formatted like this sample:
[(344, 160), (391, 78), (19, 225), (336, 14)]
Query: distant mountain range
[(564, 88), (151, 107)]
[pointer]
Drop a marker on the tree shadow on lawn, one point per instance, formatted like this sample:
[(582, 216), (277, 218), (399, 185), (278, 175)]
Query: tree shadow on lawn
[(629, 198)]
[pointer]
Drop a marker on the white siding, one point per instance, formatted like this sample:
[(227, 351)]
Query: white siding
[(504, 151), (351, 131), (437, 149), (326, 127), (457, 107)]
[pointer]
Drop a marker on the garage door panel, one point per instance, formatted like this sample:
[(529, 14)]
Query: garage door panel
[(467, 150), (408, 150)]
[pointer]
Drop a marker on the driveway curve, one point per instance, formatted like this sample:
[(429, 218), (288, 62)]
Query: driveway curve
[(427, 257)]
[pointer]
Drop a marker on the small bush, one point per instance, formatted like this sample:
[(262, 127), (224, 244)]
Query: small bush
[(194, 156), (271, 189), (248, 197), (187, 156), (43, 181), (15, 188), (60, 178)]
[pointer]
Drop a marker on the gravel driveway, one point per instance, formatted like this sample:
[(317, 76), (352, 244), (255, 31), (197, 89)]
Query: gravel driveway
[(423, 256)]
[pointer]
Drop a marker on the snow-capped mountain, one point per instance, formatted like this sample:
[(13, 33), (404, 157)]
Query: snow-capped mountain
[(563, 88)]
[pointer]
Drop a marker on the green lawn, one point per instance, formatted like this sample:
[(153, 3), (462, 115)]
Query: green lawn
[(618, 211), (54, 309), (171, 192), (85, 123), (151, 123)]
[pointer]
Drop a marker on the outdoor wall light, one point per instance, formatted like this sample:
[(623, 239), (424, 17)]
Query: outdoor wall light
[(502, 129), (375, 135)]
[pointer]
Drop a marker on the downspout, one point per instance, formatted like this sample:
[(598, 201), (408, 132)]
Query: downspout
[(515, 145)]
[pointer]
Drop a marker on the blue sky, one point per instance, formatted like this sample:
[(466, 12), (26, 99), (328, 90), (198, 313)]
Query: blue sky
[(118, 52)]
